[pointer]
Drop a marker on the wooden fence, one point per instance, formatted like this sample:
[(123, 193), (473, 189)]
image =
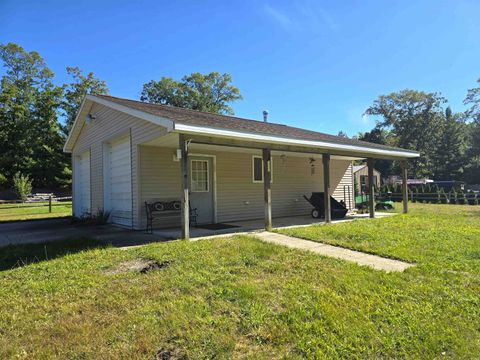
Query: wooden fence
[(50, 202)]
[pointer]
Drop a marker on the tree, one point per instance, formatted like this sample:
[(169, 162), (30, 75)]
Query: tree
[(75, 92), (30, 140), (473, 100), (22, 185), (472, 167), (414, 119), (450, 156), (28, 101), (211, 92), (3, 180), (380, 136)]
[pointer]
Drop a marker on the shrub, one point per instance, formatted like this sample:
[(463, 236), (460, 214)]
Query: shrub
[(100, 218), (452, 195), (442, 196), (22, 186)]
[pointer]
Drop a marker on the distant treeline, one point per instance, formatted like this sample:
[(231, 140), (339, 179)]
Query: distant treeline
[(448, 142)]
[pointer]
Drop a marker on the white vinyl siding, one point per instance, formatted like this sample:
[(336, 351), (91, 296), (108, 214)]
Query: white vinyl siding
[(82, 184), (108, 125), (344, 190), (238, 198)]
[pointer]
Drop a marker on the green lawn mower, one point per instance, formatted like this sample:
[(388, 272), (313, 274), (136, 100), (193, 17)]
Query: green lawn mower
[(384, 205), (361, 202)]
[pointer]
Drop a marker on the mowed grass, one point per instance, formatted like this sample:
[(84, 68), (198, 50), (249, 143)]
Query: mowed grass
[(440, 236), (30, 211), (241, 298)]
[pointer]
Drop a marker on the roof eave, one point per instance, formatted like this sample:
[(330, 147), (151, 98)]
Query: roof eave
[(68, 147), (362, 151), (79, 120)]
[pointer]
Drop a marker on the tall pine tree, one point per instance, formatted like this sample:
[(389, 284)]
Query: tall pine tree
[(450, 156)]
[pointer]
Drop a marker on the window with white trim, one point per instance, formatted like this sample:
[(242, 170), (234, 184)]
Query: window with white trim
[(199, 176), (257, 169)]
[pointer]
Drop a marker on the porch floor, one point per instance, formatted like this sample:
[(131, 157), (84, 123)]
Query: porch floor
[(247, 226)]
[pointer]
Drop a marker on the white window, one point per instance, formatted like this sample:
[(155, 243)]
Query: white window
[(257, 169), (199, 176)]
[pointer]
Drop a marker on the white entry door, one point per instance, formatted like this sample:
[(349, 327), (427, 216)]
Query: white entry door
[(118, 185), (201, 188), (82, 184)]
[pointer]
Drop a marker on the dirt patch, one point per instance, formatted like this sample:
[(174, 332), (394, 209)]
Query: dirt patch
[(170, 354), (142, 266)]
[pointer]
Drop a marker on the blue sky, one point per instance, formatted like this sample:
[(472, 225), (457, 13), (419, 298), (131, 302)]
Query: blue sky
[(313, 64)]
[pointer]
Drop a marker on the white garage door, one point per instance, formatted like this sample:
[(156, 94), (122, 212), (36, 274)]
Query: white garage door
[(82, 184), (119, 185)]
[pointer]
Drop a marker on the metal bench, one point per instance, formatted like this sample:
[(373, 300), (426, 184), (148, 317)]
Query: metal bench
[(161, 209)]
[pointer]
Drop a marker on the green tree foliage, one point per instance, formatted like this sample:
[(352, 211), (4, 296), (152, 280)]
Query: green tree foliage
[(472, 167), (211, 92), (473, 101), (30, 141), (409, 116), (380, 136), (75, 92), (22, 185), (31, 135), (450, 155)]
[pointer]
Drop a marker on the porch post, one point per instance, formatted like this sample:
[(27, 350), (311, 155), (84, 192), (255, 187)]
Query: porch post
[(371, 188), (403, 165), (326, 187), (267, 192), (185, 209)]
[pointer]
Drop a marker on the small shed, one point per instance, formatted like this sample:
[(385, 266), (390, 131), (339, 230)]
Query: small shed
[(360, 174)]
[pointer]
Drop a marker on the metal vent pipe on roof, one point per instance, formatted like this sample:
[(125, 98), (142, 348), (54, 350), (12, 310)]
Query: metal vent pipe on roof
[(265, 115)]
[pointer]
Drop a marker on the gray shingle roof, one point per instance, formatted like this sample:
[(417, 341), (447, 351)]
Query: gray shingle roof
[(217, 121)]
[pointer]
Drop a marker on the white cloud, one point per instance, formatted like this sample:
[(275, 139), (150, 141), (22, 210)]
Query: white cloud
[(302, 15), (356, 116), (282, 19)]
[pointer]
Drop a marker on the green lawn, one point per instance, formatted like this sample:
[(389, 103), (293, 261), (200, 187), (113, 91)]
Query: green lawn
[(241, 298), (11, 212)]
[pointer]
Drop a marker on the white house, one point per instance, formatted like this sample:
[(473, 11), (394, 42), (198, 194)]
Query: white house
[(126, 153)]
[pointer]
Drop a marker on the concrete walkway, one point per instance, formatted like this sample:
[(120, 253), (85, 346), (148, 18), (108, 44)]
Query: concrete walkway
[(374, 261)]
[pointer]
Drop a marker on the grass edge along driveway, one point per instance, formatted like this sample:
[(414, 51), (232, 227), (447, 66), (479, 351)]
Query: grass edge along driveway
[(34, 211)]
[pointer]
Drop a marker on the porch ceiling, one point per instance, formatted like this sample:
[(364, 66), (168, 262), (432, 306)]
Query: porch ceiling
[(170, 140)]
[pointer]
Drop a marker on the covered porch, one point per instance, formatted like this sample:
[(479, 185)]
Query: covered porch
[(256, 199)]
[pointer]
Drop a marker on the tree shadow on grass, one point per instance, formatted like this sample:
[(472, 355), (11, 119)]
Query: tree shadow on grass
[(14, 256)]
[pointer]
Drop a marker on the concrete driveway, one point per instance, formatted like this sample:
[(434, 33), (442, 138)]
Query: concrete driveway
[(41, 231)]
